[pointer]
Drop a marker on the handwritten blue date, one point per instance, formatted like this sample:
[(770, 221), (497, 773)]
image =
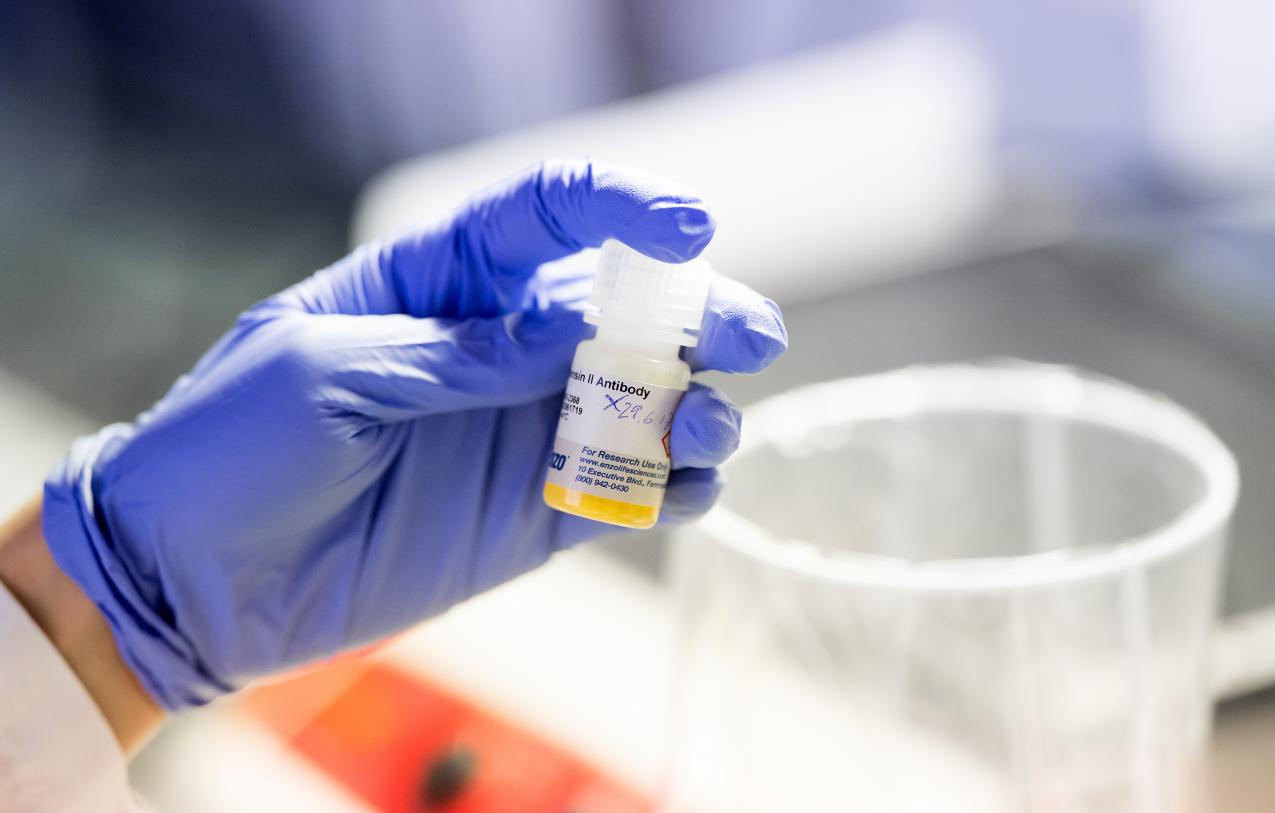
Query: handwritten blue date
[(624, 408)]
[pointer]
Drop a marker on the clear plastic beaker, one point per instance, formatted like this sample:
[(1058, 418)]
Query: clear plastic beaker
[(962, 588)]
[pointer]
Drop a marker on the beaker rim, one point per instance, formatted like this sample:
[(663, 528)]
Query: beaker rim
[(1001, 387)]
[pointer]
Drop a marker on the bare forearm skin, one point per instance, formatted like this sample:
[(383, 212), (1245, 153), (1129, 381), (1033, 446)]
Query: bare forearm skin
[(75, 627)]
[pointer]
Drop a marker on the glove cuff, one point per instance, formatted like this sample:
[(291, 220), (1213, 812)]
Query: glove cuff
[(82, 544)]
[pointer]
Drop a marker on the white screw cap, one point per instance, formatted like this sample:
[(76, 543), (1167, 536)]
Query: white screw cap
[(661, 300)]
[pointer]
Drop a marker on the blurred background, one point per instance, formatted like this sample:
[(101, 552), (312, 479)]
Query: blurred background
[(1087, 183)]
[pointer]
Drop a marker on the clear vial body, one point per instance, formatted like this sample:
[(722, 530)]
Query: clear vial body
[(619, 354)]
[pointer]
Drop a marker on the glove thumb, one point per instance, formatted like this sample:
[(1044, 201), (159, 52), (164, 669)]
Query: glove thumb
[(395, 367)]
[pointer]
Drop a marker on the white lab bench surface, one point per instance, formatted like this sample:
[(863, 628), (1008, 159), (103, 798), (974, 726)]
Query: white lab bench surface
[(577, 652)]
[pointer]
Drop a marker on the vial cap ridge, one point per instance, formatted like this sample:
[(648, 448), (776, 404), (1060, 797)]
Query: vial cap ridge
[(665, 300)]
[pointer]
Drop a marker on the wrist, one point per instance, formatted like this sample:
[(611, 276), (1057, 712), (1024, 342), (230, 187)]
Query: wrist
[(75, 627)]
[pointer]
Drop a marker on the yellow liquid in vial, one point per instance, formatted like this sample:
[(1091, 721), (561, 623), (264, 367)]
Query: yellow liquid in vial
[(602, 509)]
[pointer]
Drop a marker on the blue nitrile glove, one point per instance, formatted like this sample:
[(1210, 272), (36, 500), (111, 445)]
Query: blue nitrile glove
[(368, 447)]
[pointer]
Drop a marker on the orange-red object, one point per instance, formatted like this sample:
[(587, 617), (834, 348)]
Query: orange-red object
[(378, 731)]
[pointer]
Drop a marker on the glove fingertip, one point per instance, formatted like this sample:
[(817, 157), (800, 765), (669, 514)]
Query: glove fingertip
[(706, 430), (673, 231), (662, 219), (743, 331), (690, 495)]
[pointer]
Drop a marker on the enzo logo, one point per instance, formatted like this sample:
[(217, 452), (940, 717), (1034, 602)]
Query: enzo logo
[(557, 461)]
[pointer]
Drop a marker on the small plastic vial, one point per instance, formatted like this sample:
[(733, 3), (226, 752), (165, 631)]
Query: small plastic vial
[(611, 458)]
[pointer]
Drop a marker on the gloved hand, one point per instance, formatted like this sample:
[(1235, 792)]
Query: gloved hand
[(367, 448)]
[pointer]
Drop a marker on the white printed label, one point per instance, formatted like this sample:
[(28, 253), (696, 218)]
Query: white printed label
[(613, 438)]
